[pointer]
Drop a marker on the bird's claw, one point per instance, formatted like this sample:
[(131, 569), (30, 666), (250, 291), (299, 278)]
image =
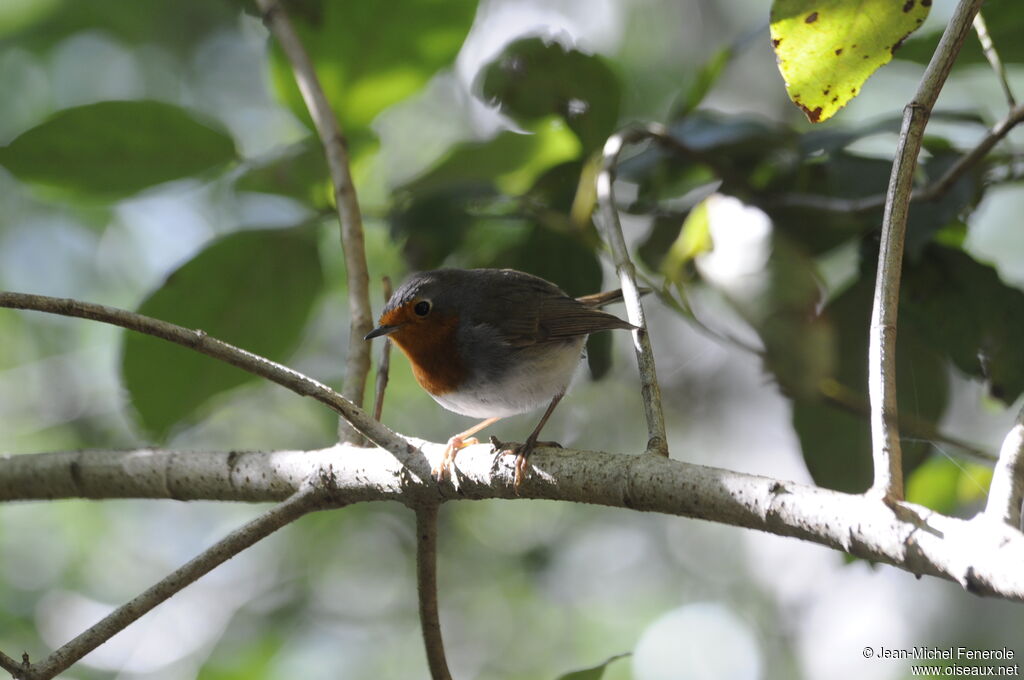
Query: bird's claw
[(444, 466), (521, 452)]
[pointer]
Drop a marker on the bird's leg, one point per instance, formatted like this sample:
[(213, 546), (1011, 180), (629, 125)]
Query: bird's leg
[(523, 450), (459, 441)]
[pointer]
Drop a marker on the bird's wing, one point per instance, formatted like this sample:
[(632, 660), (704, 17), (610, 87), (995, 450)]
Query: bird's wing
[(556, 317)]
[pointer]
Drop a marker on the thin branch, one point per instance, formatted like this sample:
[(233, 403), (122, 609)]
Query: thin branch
[(201, 342), (984, 557), (17, 670), (357, 364), (1007, 489), (306, 499), (426, 589), (384, 368), (987, 46), (971, 158), (657, 442), (842, 397), (885, 436), (933, 192)]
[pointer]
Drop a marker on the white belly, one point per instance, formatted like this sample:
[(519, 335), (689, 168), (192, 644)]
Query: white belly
[(521, 389)]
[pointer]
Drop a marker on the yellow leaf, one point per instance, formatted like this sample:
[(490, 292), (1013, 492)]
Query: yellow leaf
[(827, 49)]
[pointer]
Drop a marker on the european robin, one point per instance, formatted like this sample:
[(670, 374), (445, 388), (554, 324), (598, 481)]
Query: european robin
[(491, 343)]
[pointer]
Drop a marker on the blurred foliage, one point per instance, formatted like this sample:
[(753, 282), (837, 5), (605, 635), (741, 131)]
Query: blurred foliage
[(148, 142), (519, 193), (254, 289), (362, 77)]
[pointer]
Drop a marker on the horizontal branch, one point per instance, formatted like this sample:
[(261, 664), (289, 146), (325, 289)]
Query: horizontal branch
[(982, 556)]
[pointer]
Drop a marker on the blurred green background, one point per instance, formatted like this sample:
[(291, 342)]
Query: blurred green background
[(141, 140)]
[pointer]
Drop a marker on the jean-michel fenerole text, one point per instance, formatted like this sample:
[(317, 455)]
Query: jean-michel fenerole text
[(957, 653)]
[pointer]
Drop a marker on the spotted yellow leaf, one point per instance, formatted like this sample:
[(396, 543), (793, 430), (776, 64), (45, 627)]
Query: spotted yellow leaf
[(827, 49)]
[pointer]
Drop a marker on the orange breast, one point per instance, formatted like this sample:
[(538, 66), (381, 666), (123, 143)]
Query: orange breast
[(430, 346)]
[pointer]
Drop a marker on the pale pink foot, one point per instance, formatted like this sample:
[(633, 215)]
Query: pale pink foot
[(443, 468)]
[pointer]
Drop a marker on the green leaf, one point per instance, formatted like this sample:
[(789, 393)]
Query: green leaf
[(512, 160), (432, 223), (663, 233), (533, 79), (370, 55), (300, 173), (935, 485), (964, 309), (694, 238), (701, 82), (927, 218), (39, 25), (1005, 21), (254, 289), (594, 672), (827, 49), (116, 148), (833, 428), (946, 485)]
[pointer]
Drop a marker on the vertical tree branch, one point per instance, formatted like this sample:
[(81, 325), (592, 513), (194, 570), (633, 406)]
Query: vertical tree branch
[(357, 364), (885, 439), (1007, 489), (426, 588), (384, 368), (657, 442), (302, 502)]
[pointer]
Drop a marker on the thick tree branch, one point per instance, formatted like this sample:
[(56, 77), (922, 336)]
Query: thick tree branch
[(982, 556), (1007, 489), (885, 437), (201, 342), (13, 667), (307, 497), (426, 589), (657, 441), (357, 364)]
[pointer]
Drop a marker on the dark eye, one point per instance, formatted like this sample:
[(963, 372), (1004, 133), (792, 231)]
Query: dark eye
[(422, 308)]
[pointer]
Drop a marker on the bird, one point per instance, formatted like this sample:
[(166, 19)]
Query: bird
[(492, 343)]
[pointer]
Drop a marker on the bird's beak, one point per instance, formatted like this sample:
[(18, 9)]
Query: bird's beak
[(381, 330)]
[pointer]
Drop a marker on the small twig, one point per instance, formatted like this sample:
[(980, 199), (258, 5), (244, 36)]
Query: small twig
[(357, 364), (657, 442), (302, 502), (933, 192), (1007, 489), (426, 588), (971, 158), (885, 436), (981, 28), (384, 368), (201, 342)]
